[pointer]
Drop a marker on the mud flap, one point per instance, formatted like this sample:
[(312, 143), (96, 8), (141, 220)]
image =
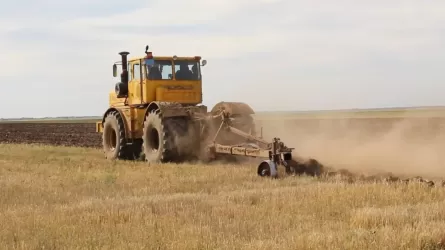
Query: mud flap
[(267, 168), (99, 127)]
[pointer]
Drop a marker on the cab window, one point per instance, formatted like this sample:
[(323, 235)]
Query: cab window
[(136, 71), (187, 70), (160, 70)]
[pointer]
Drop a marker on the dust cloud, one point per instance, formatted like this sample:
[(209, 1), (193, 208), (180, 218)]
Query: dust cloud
[(410, 147)]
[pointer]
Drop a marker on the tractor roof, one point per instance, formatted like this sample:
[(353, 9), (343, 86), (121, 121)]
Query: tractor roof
[(167, 58)]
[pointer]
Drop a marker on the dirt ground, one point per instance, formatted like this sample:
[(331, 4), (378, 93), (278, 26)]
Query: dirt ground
[(58, 134)]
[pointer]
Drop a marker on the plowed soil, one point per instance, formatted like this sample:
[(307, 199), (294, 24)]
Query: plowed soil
[(60, 134)]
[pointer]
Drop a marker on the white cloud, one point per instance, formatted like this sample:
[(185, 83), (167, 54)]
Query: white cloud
[(164, 13), (182, 14)]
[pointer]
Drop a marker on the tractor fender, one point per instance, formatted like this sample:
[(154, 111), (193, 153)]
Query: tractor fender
[(127, 133), (234, 108), (272, 167), (166, 109)]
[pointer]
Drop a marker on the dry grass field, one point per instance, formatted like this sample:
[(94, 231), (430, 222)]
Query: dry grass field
[(71, 198)]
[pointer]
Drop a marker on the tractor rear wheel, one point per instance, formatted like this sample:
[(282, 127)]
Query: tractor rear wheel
[(113, 137), (164, 139)]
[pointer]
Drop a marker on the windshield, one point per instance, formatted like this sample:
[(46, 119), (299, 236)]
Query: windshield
[(187, 70), (163, 69), (158, 69)]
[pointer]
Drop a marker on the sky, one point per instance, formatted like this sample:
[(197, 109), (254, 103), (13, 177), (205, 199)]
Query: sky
[(57, 55)]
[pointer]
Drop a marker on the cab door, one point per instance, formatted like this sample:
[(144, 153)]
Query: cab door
[(135, 82)]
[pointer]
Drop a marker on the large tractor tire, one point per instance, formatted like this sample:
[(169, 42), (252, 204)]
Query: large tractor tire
[(113, 137), (166, 139), (186, 140)]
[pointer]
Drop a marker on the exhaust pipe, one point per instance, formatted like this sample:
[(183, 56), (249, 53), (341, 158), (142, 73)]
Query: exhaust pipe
[(124, 75), (121, 88)]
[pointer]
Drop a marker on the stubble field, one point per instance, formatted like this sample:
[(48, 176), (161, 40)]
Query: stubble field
[(71, 198)]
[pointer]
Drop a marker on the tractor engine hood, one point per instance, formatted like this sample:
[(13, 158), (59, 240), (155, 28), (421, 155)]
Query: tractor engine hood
[(178, 93)]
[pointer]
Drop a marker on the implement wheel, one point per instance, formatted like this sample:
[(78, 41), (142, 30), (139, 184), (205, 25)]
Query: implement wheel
[(267, 168)]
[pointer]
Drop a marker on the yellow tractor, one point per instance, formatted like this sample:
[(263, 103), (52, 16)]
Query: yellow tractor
[(155, 113)]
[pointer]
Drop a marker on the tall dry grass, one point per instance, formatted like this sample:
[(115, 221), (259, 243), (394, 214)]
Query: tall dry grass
[(71, 198)]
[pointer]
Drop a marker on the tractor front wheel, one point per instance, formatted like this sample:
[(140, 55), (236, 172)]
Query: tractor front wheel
[(113, 137)]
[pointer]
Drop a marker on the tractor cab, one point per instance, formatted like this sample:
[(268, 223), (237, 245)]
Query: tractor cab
[(158, 78), (172, 68)]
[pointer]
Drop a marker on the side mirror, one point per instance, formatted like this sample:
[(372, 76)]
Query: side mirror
[(114, 70), (204, 62)]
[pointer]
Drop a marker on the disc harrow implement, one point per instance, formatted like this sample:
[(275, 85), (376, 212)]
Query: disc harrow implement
[(273, 154)]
